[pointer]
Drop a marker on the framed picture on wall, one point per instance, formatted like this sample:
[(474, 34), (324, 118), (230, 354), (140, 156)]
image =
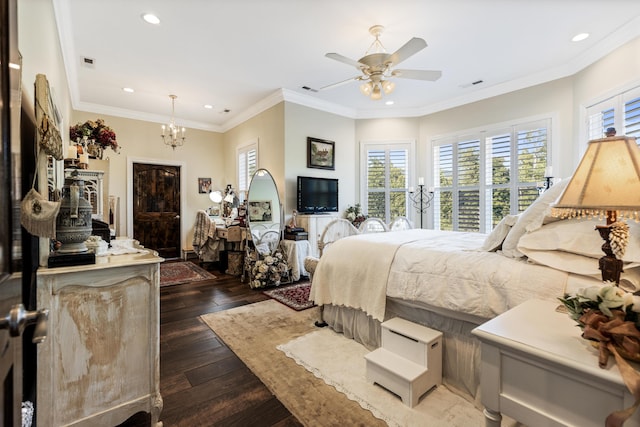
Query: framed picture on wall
[(320, 154), (204, 185)]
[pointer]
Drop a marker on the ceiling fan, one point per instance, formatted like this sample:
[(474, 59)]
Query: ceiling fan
[(376, 66)]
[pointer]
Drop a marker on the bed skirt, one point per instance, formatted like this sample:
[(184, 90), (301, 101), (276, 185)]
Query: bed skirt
[(461, 350)]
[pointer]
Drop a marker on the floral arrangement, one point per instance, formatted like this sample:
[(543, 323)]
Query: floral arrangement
[(610, 317), (355, 215), (269, 270), (96, 131)]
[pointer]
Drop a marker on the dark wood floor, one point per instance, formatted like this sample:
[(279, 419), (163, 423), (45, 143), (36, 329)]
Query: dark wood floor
[(202, 382)]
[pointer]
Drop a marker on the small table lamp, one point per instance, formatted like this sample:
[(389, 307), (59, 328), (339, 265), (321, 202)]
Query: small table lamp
[(606, 184)]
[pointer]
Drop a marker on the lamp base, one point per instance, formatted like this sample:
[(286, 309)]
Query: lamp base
[(609, 265)]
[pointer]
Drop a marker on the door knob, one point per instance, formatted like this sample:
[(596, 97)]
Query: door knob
[(177, 217), (19, 318)]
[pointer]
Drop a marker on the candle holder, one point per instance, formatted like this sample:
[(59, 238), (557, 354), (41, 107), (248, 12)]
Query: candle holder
[(421, 199), (545, 185)]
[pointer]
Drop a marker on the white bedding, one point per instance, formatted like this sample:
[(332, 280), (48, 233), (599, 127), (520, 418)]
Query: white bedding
[(439, 268), (447, 270), (346, 267)]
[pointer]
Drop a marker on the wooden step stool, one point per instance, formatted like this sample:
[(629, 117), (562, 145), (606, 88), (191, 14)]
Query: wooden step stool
[(409, 363)]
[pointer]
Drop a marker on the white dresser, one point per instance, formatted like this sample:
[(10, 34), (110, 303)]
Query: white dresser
[(315, 225), (100, 363)]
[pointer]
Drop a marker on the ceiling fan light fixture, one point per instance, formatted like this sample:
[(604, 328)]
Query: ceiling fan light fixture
[(376, 93), (388, 86), (366, 88)]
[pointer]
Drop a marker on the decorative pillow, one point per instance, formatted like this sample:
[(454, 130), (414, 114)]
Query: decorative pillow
[(494, 240), (532, 218)]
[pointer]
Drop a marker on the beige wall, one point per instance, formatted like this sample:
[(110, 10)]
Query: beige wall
[(199, 157), (302, 122), (617, 72), (267, 129), (40, 47)]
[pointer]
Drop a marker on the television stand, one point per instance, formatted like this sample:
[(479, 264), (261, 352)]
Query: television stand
[(315, 224)]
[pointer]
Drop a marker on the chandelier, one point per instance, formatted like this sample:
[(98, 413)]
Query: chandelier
[(171, 134)]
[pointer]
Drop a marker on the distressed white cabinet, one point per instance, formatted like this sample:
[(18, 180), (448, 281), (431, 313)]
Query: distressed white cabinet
[(314, 225), (100, 363)]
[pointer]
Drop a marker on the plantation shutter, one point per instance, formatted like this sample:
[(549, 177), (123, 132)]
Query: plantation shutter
[(482, 177), (621, 111), (532, 161), (469, 185), (443, 179), (632, 118), (387, 171), (247, 166), (498, 178)]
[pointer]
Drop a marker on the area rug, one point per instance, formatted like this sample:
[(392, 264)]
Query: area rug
[(255, 331), (178, 273), (318, 352), (293, 296)]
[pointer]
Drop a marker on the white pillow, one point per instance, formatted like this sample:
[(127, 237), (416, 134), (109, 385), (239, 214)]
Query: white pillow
[(532, 218), (494, 240), (576, 236)]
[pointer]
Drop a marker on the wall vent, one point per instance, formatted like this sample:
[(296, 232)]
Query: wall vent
[(88, 62)]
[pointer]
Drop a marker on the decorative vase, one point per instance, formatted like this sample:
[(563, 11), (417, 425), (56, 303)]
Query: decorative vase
[(73, 223), (95, 150)]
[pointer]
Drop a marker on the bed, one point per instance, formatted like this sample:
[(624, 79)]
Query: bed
[(455, 281)]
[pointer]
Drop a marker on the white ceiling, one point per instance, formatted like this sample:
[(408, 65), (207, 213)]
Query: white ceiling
[(246, 55)]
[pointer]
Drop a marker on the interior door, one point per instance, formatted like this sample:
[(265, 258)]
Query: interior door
[(156, 208), (18, 249)]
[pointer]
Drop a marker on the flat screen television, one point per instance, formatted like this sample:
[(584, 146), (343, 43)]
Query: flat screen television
[(317, 195)]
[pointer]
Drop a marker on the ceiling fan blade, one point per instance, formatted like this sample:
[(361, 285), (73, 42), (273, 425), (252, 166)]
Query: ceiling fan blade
[(417, 74), (344, 59), (410, 48), (332, 85)]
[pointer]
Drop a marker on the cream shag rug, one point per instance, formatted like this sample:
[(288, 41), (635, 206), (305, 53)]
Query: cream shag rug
[(256, 331)]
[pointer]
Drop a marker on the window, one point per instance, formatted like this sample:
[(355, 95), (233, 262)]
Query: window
[(479, 178), (247, 166), (386, 167), (621, 111)]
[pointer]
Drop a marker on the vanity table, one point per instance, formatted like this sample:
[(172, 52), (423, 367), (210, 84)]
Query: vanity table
[(100, 362)]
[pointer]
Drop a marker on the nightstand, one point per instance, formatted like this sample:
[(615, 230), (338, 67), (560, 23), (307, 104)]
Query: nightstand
[(537, 369)]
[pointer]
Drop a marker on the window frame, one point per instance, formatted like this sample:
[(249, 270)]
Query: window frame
[(386, 145), (484, 186)]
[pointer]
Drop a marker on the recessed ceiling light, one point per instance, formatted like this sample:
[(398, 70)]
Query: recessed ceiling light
[(128, 89), (580, 37), (208, 106), (151, 18), (389, 103)]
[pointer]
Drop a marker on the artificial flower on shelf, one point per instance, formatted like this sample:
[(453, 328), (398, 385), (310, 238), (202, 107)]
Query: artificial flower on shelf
[(610, 317), (268, 270), (96, 131), (355, 215)]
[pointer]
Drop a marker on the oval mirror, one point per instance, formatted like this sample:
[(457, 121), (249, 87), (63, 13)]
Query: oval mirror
[(264, 212)]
